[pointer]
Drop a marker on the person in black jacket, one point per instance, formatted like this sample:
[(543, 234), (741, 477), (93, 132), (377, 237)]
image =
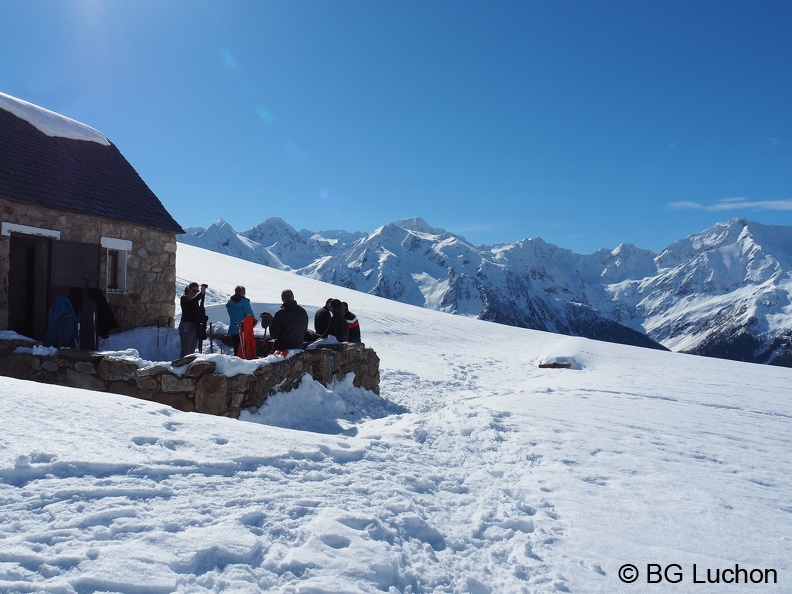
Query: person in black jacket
[(337, 330), (338, 325), (191, 302), (289, 324), (322, 319)]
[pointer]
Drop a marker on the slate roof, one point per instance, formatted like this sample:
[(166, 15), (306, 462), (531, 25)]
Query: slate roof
[(78, 176)]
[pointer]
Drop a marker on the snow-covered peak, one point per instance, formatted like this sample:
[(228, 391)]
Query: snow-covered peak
[(389, 231), (628, 261), (419, 225), (629, 250), (271, 231), (333, 236), (197, 231), (221, 237), (219, 228), (738, 242), (714, 237), (51, 123)]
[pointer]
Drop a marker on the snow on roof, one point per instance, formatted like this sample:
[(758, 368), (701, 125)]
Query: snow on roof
[(49, 122)]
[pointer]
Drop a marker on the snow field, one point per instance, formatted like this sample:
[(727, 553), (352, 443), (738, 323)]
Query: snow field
[(473, 471)]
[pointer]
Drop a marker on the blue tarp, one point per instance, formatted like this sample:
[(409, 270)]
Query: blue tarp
[(62, 325)]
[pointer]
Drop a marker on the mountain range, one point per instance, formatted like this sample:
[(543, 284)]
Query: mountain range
[(724, 292)]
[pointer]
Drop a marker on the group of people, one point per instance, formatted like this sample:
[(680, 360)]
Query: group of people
[(335, 319), (333, 323)]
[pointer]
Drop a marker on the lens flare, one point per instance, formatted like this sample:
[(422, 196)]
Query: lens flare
[(229, 61), (264, 114)]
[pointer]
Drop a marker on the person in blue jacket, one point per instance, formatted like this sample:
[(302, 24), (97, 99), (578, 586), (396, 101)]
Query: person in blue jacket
[(238, 307)]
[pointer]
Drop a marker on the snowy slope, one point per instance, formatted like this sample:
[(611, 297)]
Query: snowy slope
[(724, 292), (475, 471)]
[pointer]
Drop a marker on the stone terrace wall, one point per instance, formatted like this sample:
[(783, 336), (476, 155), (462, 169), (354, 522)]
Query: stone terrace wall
[(151, 265), (199, 389)]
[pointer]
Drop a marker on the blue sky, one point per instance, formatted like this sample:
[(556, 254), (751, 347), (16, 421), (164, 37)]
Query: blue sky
[(585, 123)]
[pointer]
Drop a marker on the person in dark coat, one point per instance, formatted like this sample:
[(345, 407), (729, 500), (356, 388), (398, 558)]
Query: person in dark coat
[(337, 331), (322, 319), (191, 303), (352, 322), (289, 324), (338, 324)]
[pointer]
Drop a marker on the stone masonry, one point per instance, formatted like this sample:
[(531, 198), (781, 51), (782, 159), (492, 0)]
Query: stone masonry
[(151, 265), (198, 389)]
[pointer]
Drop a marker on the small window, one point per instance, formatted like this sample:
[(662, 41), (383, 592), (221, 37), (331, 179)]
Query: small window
[(116, 271)]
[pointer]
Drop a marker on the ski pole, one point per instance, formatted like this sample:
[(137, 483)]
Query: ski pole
[(167, 333)]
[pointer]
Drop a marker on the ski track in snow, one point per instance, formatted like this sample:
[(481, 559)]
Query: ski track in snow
[(432, 470)]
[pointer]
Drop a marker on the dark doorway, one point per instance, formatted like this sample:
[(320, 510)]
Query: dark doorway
[(28, 284), (74, 270), (41, 270)]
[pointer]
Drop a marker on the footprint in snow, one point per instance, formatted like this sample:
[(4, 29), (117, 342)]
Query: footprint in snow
[(335, 541), (144, 441), (596, 480)]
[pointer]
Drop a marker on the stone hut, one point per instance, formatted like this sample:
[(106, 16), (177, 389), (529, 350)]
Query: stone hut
[(77, 220)]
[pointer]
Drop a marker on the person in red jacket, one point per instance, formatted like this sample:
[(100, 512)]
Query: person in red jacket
[(352, 322), (247, 341)]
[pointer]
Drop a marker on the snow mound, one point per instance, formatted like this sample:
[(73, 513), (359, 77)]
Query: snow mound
[(312, 407), (566, 352)]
